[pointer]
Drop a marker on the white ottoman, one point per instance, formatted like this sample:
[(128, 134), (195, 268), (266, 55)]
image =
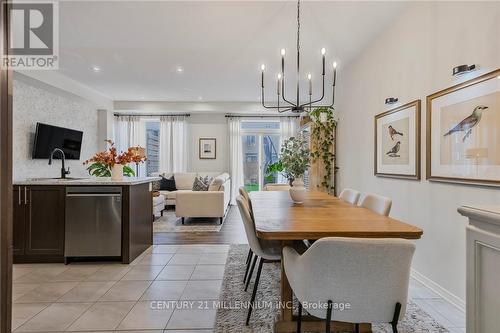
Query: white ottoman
[(158, 205)]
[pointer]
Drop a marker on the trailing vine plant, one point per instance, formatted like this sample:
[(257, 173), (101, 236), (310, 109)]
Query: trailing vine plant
[(322, 140)]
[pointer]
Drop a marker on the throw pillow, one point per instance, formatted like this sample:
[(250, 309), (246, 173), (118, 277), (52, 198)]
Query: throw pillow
[(201, 183), (216, 184), (156, 185), (167, 184)]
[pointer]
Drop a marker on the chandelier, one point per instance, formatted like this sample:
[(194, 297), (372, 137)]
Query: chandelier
[(285, 104)]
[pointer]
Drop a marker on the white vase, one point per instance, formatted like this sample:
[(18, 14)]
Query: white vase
[(298, 191), (117, 172)]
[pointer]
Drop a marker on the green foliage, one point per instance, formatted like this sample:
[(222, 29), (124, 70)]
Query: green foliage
[(103, 170), (322, 140), (128, 171), (272, 169), (277, 168), (99, 170), (295, 157), (251, 187)]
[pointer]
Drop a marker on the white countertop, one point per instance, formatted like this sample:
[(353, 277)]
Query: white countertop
[(92, 181)]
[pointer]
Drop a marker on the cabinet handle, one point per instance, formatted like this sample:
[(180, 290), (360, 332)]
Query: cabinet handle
[(19, 196), (25, 195)]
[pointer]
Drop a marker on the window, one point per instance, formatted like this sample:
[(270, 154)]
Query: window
[(261, 144), (260, 125), (152, 147)]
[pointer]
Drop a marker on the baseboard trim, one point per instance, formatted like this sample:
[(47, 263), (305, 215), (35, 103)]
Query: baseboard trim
[(438, 289)]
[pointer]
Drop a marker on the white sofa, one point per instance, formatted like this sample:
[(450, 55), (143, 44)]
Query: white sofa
[(189, 203), (158, 205)]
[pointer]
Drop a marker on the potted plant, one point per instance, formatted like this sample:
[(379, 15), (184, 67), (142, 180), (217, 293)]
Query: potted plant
[(277, 167), (294, 159), (322, 143), (109, 163)]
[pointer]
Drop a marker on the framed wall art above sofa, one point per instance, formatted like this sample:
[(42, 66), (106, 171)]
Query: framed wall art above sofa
[(208, 149)]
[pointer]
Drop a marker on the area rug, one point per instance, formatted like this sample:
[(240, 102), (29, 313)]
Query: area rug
[(171, 223), (231, 315)]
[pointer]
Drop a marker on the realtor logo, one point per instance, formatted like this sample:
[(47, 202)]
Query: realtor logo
[(34, 38)]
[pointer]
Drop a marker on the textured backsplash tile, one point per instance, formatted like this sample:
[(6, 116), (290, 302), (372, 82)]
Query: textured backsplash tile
[(34, 103)]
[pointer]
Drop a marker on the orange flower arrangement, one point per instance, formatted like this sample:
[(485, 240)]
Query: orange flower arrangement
[(102, 162)]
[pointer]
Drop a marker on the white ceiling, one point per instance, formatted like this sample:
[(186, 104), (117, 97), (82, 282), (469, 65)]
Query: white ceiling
[(220, 45)]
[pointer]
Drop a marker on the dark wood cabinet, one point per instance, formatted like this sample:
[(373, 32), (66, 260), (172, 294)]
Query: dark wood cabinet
[(40, 220), (39, 223), (18, 221)]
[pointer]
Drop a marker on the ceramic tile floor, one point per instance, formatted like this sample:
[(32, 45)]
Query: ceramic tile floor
[(115, 297)]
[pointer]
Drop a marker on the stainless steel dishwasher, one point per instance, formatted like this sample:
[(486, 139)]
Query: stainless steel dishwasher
[(93, 222)]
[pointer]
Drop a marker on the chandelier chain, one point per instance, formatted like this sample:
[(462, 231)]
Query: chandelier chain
[(298, 26)]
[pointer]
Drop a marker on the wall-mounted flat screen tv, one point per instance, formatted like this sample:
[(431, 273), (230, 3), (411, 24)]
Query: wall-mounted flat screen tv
[(48, 137)]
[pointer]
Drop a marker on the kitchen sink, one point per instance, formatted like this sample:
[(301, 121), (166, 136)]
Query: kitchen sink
[(56, 178)]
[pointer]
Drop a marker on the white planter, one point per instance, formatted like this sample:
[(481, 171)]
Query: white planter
[(117, 172), (298, 191)]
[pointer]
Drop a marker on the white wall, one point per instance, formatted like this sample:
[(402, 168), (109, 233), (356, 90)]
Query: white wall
[(411, 60), (208, 126), (34, 101), (105, 129)]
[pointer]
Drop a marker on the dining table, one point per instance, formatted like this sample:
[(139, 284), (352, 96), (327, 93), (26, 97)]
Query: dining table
[(320, 215)]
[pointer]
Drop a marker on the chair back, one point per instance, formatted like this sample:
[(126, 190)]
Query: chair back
[(349, 195), (377, 203), (368, 275), (246, 196), (249, 225)]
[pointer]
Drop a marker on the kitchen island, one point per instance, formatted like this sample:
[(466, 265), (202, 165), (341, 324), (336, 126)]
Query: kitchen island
[(58, 220)]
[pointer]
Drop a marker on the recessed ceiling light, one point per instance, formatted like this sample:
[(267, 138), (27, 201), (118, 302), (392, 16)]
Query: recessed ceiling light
[(180, 69), (96, 69), (200, 98), (498, 77), (142, 97)]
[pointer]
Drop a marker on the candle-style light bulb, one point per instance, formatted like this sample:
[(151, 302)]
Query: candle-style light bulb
[(334, 72), (323, 51), (262, 68), (283, 61), (309, 77), (278, 85)]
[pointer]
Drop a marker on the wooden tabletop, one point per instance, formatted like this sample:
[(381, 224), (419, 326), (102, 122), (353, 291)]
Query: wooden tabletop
[(321, 215)]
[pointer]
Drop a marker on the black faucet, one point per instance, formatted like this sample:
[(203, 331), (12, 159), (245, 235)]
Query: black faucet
[(64, 172)]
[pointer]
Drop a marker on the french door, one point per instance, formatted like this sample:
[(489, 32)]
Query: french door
[(259, 151)]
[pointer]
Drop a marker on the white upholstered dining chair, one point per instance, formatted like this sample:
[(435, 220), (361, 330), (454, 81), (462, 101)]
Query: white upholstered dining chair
[(377, 203), (369, 275), (264, 251), (243, 192), (349, 195)]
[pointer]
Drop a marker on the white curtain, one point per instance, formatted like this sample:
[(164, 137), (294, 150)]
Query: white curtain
[(121, 133), (173, 146), (288, 127), (235, 156), (130, 131)]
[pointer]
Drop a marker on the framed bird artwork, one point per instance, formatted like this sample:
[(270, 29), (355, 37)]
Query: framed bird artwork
[(397, 142), (463, 132)]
